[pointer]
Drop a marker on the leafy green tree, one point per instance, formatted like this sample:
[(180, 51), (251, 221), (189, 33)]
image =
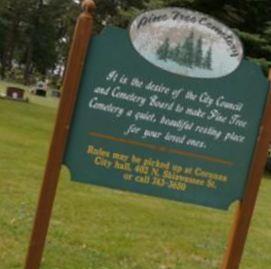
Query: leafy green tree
[(12, 18), (33, 38), (3, 33), (46, 34)]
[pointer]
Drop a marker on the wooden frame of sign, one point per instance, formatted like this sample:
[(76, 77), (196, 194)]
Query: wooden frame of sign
[(82, 35)]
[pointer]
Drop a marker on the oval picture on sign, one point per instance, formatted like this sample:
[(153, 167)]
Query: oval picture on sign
[(186, 42)]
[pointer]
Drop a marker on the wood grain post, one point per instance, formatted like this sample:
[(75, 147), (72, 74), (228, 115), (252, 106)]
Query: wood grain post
[(78, 50), (246, 207)]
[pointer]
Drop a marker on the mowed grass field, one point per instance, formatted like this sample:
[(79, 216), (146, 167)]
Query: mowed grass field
[(98, 228)]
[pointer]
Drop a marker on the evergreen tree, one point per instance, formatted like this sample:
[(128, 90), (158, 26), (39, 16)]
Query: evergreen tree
[(198, 53), (188, 51), (175, 53), (207, 64), (163, 51)]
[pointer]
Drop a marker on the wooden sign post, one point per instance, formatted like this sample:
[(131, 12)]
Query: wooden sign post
[(83, 32), (246, 207), (189, 118)]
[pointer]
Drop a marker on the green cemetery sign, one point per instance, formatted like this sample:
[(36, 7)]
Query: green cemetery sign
[(168, 109)]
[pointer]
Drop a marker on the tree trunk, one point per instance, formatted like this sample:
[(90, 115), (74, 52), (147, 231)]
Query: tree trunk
[(3, 68), (7, 57), (28, 64)]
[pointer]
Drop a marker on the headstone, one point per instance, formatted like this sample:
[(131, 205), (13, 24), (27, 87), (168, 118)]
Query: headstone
[(15, 93)]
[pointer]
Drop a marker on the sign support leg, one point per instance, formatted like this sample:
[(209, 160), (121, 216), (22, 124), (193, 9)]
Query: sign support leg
[(246, 207), (71, 82)]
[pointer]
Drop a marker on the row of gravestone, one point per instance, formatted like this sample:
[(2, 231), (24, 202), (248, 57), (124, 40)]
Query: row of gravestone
[(18, 94)]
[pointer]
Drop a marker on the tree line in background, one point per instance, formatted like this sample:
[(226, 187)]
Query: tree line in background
[(35, 34)]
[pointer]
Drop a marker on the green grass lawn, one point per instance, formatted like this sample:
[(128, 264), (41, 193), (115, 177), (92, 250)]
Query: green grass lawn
[(98, 228)]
